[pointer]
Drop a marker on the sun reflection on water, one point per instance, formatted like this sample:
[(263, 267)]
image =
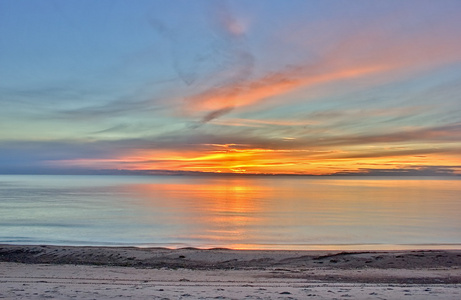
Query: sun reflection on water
[(243, 212)]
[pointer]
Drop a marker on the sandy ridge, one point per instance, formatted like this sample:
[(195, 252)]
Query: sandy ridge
[(63, 272), (200, 259)]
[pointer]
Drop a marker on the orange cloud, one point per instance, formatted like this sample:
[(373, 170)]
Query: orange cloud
[(250, 92), (261, 123)]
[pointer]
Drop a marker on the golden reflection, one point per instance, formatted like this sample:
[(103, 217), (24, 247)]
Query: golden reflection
[(223, 209), (247, 212)]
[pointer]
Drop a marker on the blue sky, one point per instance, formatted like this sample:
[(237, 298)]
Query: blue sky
[(302, 87)]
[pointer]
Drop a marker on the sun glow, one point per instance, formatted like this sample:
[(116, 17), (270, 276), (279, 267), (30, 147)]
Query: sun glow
[(234, 158)]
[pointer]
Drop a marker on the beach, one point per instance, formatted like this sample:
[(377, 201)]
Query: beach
[(65, 272)]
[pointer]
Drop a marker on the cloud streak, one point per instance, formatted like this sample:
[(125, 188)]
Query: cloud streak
[(371, 53)]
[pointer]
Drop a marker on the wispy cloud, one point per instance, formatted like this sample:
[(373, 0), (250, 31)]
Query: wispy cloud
[(406, 171), (262, 123), (450, 133), (371, 53), (251, 92), (224, 56)]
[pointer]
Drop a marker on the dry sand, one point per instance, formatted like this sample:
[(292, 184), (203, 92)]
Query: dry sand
[(46, 272)]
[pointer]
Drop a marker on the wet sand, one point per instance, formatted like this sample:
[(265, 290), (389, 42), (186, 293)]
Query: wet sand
[(41, 272)]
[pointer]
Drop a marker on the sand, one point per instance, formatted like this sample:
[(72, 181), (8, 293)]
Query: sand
[(47, 272)]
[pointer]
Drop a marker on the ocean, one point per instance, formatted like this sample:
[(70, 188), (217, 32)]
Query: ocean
[(240, 212)]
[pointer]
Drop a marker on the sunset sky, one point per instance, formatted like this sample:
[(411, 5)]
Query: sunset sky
[(271, 87)]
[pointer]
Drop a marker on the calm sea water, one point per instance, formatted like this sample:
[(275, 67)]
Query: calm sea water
[(236, 212)]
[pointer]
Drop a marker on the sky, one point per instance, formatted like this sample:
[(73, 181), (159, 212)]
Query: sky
[(248, 87)]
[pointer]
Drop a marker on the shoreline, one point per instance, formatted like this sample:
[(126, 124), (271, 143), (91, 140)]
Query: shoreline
[(229, 259), (256, 247), (69, 272)]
